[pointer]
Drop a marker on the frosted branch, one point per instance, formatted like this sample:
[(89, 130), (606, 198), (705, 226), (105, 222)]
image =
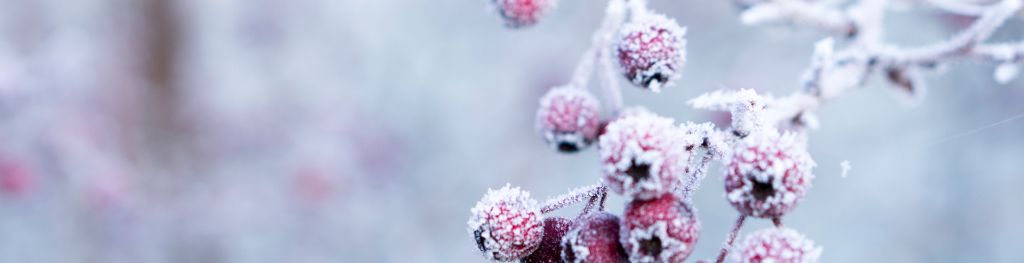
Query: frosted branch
[(574, 196), (730, 238)]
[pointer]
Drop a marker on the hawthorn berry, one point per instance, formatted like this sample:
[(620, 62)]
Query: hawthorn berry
[(767, 175), (663, 229), (594, 238), (642, 155), (568, 118), (550, 249), (506, 224), (522, 13), (777, 245), (651, 50)]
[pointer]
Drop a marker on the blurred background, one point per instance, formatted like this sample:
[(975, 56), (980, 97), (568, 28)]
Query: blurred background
[(365, 130)]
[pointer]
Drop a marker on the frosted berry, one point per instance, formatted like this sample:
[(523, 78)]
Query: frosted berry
[(767, 175), (550, 249), (777, 245), (651, 51), (642, 156), (15, 178), (506, 224), (663, 229), (522, 13), (594, 238), (568, 118)]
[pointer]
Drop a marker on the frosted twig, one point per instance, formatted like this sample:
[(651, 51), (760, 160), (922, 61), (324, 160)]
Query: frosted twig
[(572, 197), (730, 238), (818, 15), (777, 221)]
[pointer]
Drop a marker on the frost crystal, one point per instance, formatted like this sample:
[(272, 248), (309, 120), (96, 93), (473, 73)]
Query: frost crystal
[(1006, 72), (568, 118), (845, 165), (506, 224), (767, 175), (748, 113), (643, 156), (777, 245), (652, 51)]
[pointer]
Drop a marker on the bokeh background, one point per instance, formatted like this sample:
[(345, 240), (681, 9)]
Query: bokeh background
[(364, 130)]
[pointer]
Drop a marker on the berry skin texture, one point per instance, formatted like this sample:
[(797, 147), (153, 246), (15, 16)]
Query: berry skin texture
[(506, 224), (652, 51), (594, 238), (568, 118), (664, 229), (767, 175), (642, 155), (550, 249), (777, 245), (522, 13)]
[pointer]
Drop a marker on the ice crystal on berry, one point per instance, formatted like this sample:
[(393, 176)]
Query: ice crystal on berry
[(652, 51), (777, 245), (522, 13), (506, 224), (550, 249), (767, 175), (642, 155), (568, 118), (663, 229), (594, 238)]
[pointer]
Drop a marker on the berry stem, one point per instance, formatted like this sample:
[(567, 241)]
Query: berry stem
[(730, 238), (599, 41), (572, 197), (777, 221)]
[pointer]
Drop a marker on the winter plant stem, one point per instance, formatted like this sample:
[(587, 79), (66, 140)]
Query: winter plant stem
[(572, 197), (730, 238)]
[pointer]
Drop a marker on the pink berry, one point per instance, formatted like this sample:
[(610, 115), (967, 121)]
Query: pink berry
[(767, 175), (522, 13), (506, 224), (642, 156), (651, 51), (594, 238), (777, 245), (664, 229), (15, 178), (550, 249), (568, 118)]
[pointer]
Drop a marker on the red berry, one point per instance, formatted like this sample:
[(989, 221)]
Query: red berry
[(767, 175), (664, 229), (522, 13), (550, 249), (15, 178), (594, 238), (642, 155), (506, 224), (651, 51), (568, 118), (777, 245)]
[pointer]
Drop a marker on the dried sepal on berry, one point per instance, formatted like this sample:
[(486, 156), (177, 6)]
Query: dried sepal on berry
[(594, 238), (506, 224), (652, 51), (767, 175), (642, 156), (777, 245), (522, 13), (663, 229), (550, 249), (568, 118)]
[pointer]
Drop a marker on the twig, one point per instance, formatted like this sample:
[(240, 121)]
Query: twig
[(730, 238), (572, 197)]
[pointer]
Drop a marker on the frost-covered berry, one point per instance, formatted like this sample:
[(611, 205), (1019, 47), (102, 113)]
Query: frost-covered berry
[(663, 229), (594, 238), (550, 249), (568, 118), (767, 175), (506, 224), (777, 245), (642, 155), (522, 13), (651, 51)]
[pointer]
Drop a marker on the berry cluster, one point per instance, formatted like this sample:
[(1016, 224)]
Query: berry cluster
[(654, 162)]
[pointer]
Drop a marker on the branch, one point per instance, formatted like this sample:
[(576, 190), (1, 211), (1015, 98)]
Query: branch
[(572, 197), (730, 238)]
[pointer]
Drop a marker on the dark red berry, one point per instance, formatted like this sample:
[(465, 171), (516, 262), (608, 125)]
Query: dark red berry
[(550, 249), (663, 229), (594, 238)]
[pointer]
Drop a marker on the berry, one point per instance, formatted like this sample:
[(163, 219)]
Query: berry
[(663, 229), (506, 224), (651, 51), (778, 245), (15, 178), (522, 13), (767, 175), (642, 156), (594, 238), (568, 118), (550, 249)]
